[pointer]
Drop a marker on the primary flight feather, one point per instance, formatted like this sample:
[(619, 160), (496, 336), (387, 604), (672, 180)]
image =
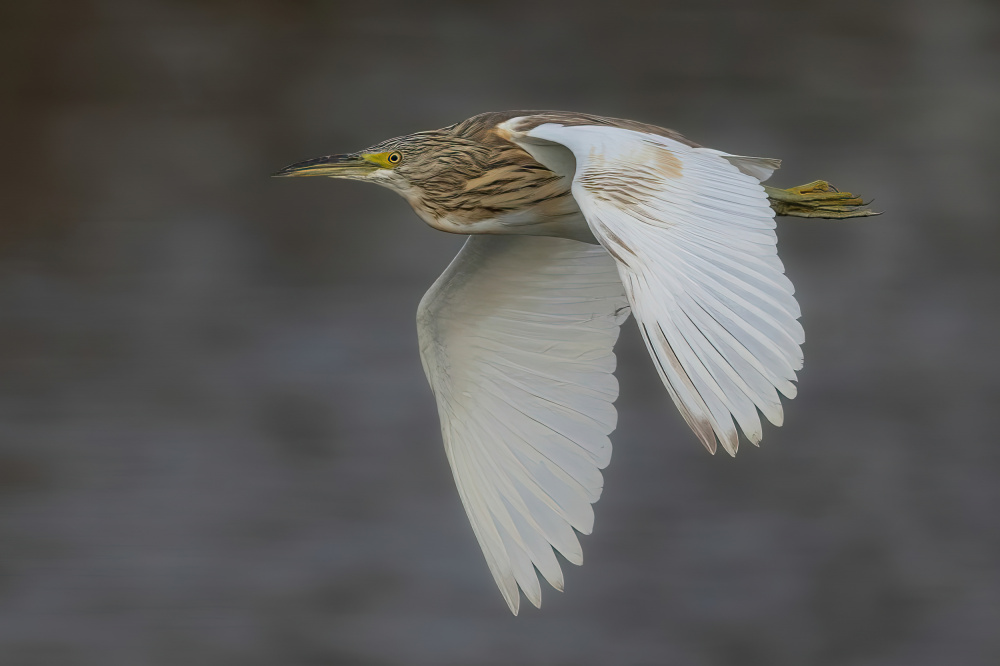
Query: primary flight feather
[(575, 220)]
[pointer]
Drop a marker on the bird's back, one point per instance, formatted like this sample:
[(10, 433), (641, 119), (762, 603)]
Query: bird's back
[(494, 186)]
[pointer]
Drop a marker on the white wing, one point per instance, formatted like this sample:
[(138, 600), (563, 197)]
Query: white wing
[(693, 235), (516, 339)]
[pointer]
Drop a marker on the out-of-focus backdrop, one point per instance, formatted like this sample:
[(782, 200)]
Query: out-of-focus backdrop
[(216, 441)]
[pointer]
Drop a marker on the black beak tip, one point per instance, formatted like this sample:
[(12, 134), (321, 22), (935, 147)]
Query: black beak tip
[(298, 167)]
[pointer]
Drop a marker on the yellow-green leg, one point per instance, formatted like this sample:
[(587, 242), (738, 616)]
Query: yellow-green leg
[(816, 199)]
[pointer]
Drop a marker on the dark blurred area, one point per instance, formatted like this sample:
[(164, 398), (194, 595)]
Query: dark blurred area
[(216, 441)]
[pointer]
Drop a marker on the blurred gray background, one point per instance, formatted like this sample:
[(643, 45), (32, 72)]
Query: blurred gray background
[(216, 441)]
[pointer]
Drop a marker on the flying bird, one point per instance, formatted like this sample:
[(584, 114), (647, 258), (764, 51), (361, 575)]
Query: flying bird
[(574, 222)]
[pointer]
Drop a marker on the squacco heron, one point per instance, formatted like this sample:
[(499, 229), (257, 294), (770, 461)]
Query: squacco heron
[(574, 222)]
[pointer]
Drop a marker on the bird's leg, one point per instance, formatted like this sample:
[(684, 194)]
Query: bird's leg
[(816, 199)]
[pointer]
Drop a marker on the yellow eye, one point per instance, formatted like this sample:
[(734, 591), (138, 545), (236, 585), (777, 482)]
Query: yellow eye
[(393, 158)]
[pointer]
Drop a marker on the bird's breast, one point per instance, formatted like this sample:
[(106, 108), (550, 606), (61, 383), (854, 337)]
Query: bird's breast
[(534, 209)]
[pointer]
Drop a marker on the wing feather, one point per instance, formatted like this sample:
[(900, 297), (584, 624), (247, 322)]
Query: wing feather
[(693, 235), (516, 338)]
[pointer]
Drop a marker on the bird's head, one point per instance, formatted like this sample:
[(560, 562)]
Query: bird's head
[(455, 168)]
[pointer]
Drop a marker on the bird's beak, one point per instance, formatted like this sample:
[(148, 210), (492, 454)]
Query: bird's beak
[(334, 166)]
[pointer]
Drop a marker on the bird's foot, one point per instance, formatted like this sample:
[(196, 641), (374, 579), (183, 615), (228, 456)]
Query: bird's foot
[(817, 199)]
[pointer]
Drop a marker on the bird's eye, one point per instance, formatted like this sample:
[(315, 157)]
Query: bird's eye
[(394, 158)]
